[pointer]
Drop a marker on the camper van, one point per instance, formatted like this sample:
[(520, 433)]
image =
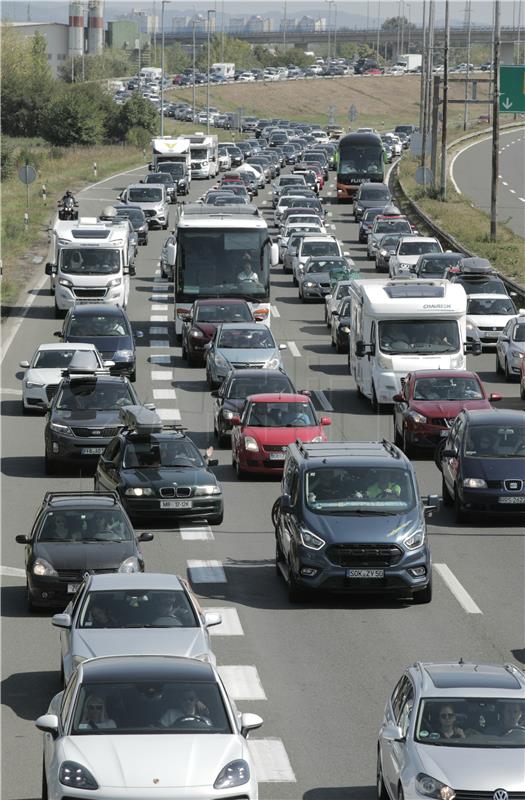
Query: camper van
[(173, 150), (204, 149)]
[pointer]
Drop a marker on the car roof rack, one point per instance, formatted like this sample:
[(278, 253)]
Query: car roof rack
[(143, 421), (57, 495)]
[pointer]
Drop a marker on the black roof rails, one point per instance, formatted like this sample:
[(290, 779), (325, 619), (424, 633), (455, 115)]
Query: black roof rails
[(53, 495), (392, 449)]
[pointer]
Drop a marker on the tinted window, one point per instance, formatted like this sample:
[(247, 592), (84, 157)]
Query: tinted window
[(241, 388), (148, 608), (83, 525), (418, 248), (161, 452), (353, 489), (281, 415), (148, 194), (320, 248), (56, 359), (471, 722), (94, 396), (495, 441), (447, 389), (97, 325), (432, 336), (232, 312), (246, 339), (490, 306), (519, 333)]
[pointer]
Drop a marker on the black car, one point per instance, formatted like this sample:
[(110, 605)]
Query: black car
[(201, 322), (341, 328), (482, 463), (370, 195), (230, 398), (386, 248), (367, 221), (178, 172), (159, 471), (75, 533), (137, 218), (477, 276), (436, 265), (236, 155), (167, 179), (109, 329)]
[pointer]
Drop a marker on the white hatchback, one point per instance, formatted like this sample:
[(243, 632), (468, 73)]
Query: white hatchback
[(488, 314)]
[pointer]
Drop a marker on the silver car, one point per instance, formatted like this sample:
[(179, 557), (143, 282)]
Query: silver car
[(124, 614), (451, 731), (241, 346), (152, 198), (510, 348)]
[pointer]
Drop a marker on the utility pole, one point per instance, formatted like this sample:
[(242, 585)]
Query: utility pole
[(468, 10), (222, 30), (495, 126), (443, 182), (378, 27), (402, 26), (398, 40), (163, 5), (329, 23), (284, 28), (193, 82), (434, 131), (428, 74), (423, 68), (334, 46), (210, 12)]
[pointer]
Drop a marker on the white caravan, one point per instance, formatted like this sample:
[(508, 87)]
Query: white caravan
[(204, 151)]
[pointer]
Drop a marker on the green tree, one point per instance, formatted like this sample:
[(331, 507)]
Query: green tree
[(176, 58), (136, 113), (110, 64), (73, 118), (393, 23), (27, 82)]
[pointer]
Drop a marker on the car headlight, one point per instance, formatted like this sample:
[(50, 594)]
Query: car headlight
[(416, 417), (115, 282), (251, 444), (130, 564), (56, 426), (317, 439), (273, 363), (139, 491), (34, 384), (220, 361), (65, 282), (204, 163), (358, 207), (227, 414), (236, 773), (431, 787), (474, 483), (42, 567), (196, 334), (516, 354), (384, 362), (310, 540), (310, 284), (383, 252), (123, 355), (207, 490), (415, 540), (75, 775)]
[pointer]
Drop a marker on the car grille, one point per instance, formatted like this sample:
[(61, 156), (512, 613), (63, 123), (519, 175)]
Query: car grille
[(51, 390), (443, 422), (248, 365), (175, 491), (149, 212), (77, 575), (86, 432), (92, 294), (490, 328), (468, 795), (274, 448), (364, 555)]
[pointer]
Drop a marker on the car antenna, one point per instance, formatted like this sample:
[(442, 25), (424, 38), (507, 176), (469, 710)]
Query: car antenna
[(461, 662)]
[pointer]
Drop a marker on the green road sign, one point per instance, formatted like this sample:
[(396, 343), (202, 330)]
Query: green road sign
[(512, 89)]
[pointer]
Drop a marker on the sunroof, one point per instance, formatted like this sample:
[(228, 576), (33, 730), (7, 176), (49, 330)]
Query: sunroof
[(471, 676), (414, 290)]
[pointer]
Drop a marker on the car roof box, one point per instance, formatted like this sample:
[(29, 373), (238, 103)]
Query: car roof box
[(140, 420), (83, 362), (475, 265)]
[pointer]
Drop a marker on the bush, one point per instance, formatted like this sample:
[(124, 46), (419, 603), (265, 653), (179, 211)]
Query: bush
[(27, 155), (7, 160), (138, 137)]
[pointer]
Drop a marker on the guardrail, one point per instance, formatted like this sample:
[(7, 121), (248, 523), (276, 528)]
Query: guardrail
[(447, 241)]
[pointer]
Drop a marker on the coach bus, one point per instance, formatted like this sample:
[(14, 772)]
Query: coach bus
[(360, 158)]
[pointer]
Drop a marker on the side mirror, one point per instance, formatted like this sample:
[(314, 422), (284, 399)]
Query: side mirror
[(503, 338), (150, 406), (250, 722), (335, 313), (57, 333), (212, 618), (328, 297), (432, 505), (213, 462), (61, 621), (393, 733), (449, 453), (286, 502), (283, 347), (214, 393), (48, 723), (109, 364), (494, 397), (24, 364), (185, 317), (236, 420), (474, 348), (274, 254), (147, 536), (50, 268), (325, 421), (360, 349), (125, 270), (398, 398), (21, 538), (138, 335)]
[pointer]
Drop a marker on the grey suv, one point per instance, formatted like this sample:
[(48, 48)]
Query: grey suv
[(351, 520), (454, 731)]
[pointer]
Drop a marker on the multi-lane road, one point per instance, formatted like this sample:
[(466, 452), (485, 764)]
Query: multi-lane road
[(318, 673)]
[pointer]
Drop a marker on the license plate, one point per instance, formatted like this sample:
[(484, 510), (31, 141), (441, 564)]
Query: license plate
[(176, 504), (277, 456), (512, 500), (72, 588), (92, 451), (365, 573), (443, 433)]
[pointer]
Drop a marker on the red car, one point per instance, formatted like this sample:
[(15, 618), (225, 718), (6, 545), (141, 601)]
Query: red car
[(430, 402), (269, 423)]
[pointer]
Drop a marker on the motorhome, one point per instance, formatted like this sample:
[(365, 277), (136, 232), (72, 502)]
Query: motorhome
[(172, 150), (224, 69), (403, 325), (151, 74), (204, 149)]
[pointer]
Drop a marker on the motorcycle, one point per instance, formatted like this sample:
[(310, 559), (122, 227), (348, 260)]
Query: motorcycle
[(67, 208)]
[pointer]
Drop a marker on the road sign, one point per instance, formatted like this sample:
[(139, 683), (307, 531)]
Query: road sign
[(512, 88), (352, 113), (27, 174)]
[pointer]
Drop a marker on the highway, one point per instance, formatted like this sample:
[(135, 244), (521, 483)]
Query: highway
[(318, 673), (472, 171)]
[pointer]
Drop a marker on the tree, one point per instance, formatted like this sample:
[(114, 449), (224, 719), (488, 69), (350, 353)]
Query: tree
[(27, 82), (176, 58), (73, 118), (136, 113), (110, 64), (393, 23)]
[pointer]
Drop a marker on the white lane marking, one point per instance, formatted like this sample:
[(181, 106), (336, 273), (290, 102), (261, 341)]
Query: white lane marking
[(459, 592), (460, 152), (294, 350), (157, 272), (206, 571), (35, 291), (158, 288), (242, 682), (522, 199), (164, 394), (159, 307), (159, 343), (155, 330), (512, 191), (323, 400), (162, 375), (169, 414), (332, 227), (156, 297), (271, 761), (230, 625), (329, 214), (12, 392), (504, 183), (13, 572), (158, 359), (275, 311), (197, 533), (158, 318)]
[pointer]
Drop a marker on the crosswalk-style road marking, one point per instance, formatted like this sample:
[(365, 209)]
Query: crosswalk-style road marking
[(162, 375), (196, 533), (294, 350), (210, 571), (271, 761), (275, 312), (164, 394), (242, 682), (169, 414), (159, 343), (230, 625), (158, 306), (160, 359), (158, 318), (158, 331)]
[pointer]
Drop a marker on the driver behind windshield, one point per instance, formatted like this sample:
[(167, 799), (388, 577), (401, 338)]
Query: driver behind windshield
[(189, 706)]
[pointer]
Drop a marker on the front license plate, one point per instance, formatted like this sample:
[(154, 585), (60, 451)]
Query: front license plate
[(365, 573), (277, 456), (512, 500), (72, 588), (92, 451), (176, 504)]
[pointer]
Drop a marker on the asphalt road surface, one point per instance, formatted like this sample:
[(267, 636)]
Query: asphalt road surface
[(319, 673), (472, 173)]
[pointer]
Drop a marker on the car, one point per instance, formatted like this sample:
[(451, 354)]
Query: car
[(106, 327), (167, 268), (293, 242), (453, 729), (44, 372), (268, 423), (351, 520), (386, 226), (340, 325), (167, 179), (75, 532), (299, 205), (477, 276), (136, 216), (314, 246), (340, 290), (230, 397), (200, 323), (488, 314), (282, 181), (159, 471), (386, 248), (510, 347), (436, 265), (366, 222), (320, 275), (312, 175), (225, 161), (307, 216), (522, 380), (241, 346), (370, 195), (409, 249), (172, 711), (179, 172), (482, 463), (133, 613), (429, 403), (152, 198)]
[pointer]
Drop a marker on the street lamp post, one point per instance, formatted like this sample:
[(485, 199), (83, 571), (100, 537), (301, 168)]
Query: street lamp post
[(378, 26), (193, 84), (334, 37), (163, 4), (329, 23), (210, 12)]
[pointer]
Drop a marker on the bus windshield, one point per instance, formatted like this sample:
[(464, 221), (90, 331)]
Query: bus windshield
[(364, 159), (223, 263)]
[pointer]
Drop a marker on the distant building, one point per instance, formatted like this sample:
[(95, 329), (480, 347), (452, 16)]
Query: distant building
[(290, 24), (255, 24), (179, 24), (56, 35), (148, 23), (237, 24), (201, 23), (122, 34), (311, 25)]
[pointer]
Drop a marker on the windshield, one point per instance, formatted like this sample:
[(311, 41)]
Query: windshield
[(233, 312), (495, 441), (246, 339), (173, 168), (491, 306), (433, 266), (85, 525), (90, 261), (199, 153), (80, 395), (326, 248), (149, 707), (419, 336), (159, 177), (389, 242), (447, 389), (371, 213), (281, 415), (221, 262), (97, 325), (519, 333), (240, 388), (392, 226), (471, 722), (164, 452), (136, 215), (145, 194), (359, 489), (58, 359), (373, 193), (408, 248), (361, 159), (145, 608), (481, 286)]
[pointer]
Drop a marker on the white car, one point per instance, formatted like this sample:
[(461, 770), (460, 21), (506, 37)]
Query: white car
[(306, 227), (246, 77), (342, 289), (409, 248), (488, 314), (314, 246), (44, 372), (139, 727), (256, 172), (225, 160), (510, 348)]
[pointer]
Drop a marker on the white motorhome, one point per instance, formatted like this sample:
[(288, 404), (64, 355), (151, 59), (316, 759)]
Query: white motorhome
[(204, 149), (151, 74), (226, 69), (404, 325), (89, 263), (171, 150)]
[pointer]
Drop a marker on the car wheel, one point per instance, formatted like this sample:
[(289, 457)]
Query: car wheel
[(239, 471), (338, 346), (296, 593), (59, 314), (407, 448), (62, 675), (460, 513), (294, 279), (445, 494), (508, 375), (498, 365), (332, 340), (222, 439), (522, 390), (398, 439), (25, 409), (184, 351), (424, 595), (216, 520), (376, 406), (44, 782), (50, 465), (133, 376), (380, 784)]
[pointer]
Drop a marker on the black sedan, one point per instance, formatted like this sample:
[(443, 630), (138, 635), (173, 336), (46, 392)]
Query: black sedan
[(341, 326), (178, 172), (136, 216), (366, 222), (109, 329), (200, 323), (436, 265), (75, 533), (385, 250), (230, 398), (165, 178)]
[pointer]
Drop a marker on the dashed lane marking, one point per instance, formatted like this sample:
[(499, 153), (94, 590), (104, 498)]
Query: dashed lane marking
[(206, 571), (164, 394), (459, 592), (12, 392), (522, 199), (271, 761), (275, 312), (294, 350), (158, 287), (504, 183), (169, 414), (12, 572), (159, 296), (512, 191), (323, 400), (197, 533), (158, 318), (157, 272), (159, 307), (157, 331), (162, 375), (159, 359), (230, 625), (242, 682), (159, 343)]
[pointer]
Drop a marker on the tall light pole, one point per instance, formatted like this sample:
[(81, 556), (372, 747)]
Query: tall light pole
[(408, 31), (163, 4), (193, 83), (378, 26), (210, 12), (495, 126), (284, 28), (444, 117), (222, 30), (334, 38), (329, 22), (465, 104)]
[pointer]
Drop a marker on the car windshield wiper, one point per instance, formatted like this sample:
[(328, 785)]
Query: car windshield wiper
[(361, 512)]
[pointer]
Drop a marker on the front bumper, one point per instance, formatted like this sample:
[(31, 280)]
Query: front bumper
[(494, 501), (201, 507), (66, 298), (80, 449), (315, 292), (58, 792), (425, 435), (346, 192), (196, 349), (262, 462)]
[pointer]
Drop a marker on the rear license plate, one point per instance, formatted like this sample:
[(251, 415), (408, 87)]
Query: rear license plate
[(72, 588), (365, 573), (277, 456), (176, 504), (512, 500), (92, 451)]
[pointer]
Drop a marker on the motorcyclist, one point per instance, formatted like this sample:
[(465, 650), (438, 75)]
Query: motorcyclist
[(67, 206)]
